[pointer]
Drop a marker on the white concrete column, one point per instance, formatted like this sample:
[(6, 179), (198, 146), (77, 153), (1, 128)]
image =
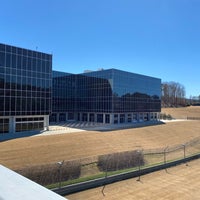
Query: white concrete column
[(126, 118), (80, 117), (88, 117), (95, 117), (112, 118), (158, 116), (12, 124), (46, 122), (104, 118)]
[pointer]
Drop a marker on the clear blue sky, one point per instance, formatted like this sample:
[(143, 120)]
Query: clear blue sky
[(159, 38)]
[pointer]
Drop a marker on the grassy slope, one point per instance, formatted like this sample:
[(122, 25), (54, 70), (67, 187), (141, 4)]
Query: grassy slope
[(180, 182), (182, 113), (23, 152)]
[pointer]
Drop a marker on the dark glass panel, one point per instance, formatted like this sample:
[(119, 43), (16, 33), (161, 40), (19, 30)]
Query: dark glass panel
[(29, 64), (1, 103), (25, 52), (24, 63), (13, 104), (2, 47), (2, 59), (19, 51), (34, 54), (8, 48), (19, 73), (34, 66), (8, 70), (1, 93), (30, 53), (8, 60), (7, 103), (2, 81), (14, 50), (19, 62)]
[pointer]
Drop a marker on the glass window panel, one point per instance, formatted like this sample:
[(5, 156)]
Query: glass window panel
[(25, 52), (8, 60), (14, 50), (19, 51), (2, 47), (24, 63), (8, 48), (34, 66), (29, 63), (30, 53), (2, 59), (19, 62), (34, 54)]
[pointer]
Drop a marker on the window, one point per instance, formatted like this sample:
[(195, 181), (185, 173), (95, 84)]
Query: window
[(2, 59)]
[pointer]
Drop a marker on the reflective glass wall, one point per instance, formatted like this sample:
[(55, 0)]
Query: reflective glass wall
[(25, 82), (134, 92), (93, 94), (25, 87), (130, 92), (105, 91), (63, 91)]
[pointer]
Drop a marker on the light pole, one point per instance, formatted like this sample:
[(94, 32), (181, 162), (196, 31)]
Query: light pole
[(139, 164), (106, 175), (59, 171), (184, 152), (165, 155)]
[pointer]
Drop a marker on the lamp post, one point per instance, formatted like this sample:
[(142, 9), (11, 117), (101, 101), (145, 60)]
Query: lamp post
[(165, 155), (139, 165), (184, 152), (59, 171)]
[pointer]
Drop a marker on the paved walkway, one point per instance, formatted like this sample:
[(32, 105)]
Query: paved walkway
[(71, 127)]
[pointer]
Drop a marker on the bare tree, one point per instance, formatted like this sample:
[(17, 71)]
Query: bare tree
[(173, 94)]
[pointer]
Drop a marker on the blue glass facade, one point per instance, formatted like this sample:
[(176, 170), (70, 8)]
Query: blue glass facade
[(30, 93), (107, 96), (25, 89)]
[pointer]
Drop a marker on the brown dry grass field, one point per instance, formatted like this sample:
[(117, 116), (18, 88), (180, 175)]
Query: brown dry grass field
[(180, 182), (19, 153), (183, 113), (177, 183)]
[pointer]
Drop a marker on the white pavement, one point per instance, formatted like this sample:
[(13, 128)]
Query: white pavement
[(72, 127)]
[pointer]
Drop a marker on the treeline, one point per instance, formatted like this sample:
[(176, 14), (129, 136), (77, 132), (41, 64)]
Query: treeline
[(194, 100), (173, 94)]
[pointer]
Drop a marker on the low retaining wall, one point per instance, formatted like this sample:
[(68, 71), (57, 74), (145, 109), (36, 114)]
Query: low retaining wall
[(119, 177)]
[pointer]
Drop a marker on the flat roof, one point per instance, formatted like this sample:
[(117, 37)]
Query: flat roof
[(14, 186)]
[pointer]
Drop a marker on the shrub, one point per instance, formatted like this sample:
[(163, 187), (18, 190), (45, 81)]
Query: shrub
[(165, 116), (52, 173), (121, 160), (169, 117)]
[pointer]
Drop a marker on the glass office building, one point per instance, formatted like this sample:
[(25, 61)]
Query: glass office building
[(25, 89), (106, 96), (31, 94)]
